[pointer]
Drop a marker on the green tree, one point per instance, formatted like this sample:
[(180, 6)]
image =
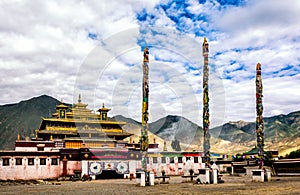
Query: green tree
[(176, 145)]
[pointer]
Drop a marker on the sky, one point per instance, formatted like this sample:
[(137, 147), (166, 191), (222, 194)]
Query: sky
[(95, 49)]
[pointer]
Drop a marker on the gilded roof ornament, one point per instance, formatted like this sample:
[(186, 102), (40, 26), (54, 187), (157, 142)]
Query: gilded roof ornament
[(79, 98)]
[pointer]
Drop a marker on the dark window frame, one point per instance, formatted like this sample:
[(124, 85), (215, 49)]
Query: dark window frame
[(5, 161), (40, 149), (179, 159), (163, 159), (19, 161), (172, 160), (30, 161), (154, 159), (54, 161), (196, 159), (43, 161)]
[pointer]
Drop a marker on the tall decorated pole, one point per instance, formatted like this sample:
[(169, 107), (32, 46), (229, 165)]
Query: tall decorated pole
[(206, 122), (259, 111), (145, 114)]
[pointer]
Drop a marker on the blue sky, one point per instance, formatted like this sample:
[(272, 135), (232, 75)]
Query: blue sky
[(95, 48)]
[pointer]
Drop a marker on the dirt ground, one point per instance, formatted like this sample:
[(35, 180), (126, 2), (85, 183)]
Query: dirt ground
[(232, 185)]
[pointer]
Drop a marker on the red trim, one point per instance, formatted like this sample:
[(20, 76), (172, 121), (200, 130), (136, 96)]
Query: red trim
[(33, 144), (191, 155)]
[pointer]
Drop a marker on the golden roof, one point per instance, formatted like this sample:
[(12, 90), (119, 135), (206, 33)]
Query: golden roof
[(103, 108), (61, 106)]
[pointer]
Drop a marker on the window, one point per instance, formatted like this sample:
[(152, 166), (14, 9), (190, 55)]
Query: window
[(18, 161), (42, 161), (163, 159), (154, 159), (5, 162), (54, 161), (171, 159), (188, 158), (62, 113), (104, 116), (180, 159), (30, 161), (195, 159), (40, 148)]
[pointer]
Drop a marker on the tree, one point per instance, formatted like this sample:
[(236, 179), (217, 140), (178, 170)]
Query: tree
[(176, 145), (294, 154)]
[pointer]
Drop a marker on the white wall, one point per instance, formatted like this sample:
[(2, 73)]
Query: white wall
[(29, 172)]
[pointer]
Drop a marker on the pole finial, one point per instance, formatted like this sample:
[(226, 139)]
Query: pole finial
[(146, 54)]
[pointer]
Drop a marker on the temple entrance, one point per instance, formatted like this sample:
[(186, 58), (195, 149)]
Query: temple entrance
[(109, 174)]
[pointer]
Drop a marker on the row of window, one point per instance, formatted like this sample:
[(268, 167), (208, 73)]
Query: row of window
[(54, 161), (163, 159), (30, 161)]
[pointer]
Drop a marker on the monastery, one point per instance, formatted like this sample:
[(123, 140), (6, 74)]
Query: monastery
[(77, 140)]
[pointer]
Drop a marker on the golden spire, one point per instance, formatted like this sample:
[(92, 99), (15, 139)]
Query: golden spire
[(19, 137), (204, 41)]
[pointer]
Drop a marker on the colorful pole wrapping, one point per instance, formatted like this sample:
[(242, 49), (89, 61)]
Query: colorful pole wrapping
[(144, 132), (259, 111), (206, 122)]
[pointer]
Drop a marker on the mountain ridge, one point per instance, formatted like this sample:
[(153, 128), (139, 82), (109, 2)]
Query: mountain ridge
[(24, 117)]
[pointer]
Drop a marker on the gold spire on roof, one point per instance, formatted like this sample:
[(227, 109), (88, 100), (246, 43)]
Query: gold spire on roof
[(79, 98), (79, 104), (61, 105), (103, 108)]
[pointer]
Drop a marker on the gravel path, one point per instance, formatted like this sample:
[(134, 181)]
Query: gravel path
[(232, 185)]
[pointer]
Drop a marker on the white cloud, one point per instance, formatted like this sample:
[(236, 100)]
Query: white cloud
[(38, 37), (45, 48)]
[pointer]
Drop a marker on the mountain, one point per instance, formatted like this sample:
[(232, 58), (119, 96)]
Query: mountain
[(235, 132), (276, 128), (282, 132), (134, 127), (23, 117), (171, 127)]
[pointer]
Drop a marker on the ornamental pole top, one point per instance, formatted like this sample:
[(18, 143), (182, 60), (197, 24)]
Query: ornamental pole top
[(146, 55)]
